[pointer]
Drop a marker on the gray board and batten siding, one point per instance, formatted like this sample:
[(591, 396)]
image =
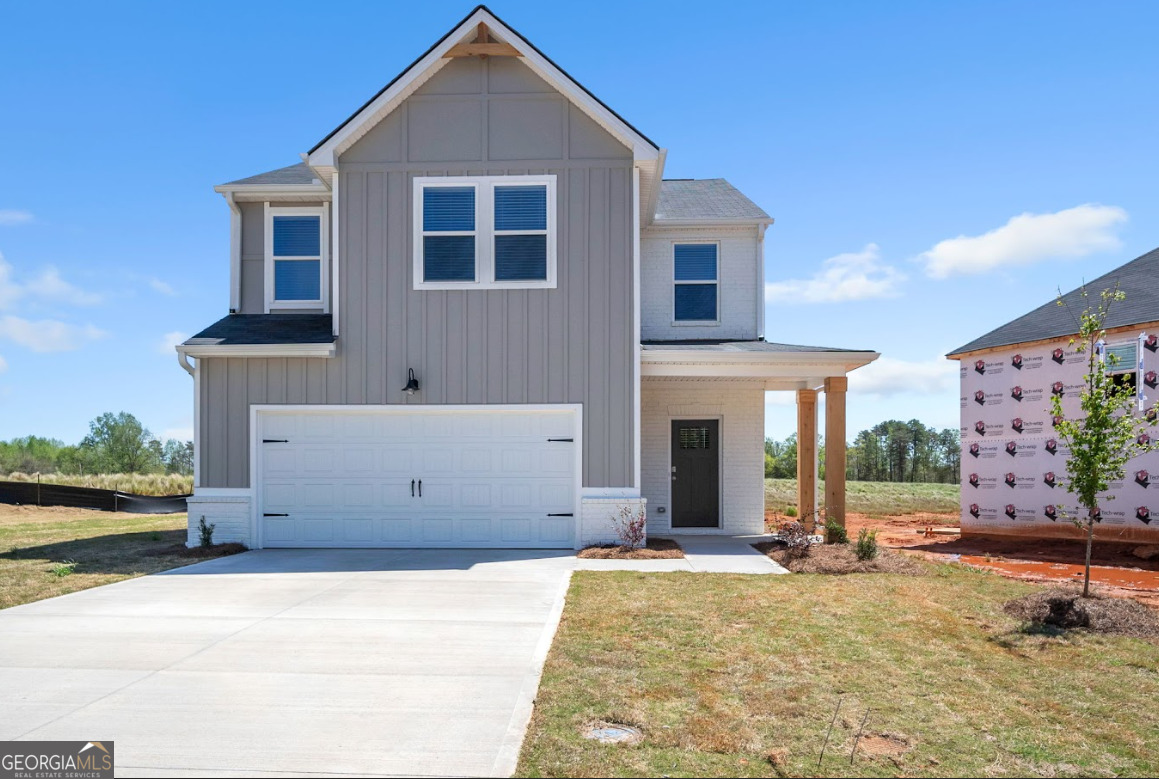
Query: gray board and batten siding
[(571, 344)]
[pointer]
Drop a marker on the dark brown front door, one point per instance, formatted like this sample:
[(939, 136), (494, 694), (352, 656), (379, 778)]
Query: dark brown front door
[(695, 473)]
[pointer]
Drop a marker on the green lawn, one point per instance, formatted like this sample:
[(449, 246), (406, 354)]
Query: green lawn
[(875, 498), (722, 671), (105, 546)]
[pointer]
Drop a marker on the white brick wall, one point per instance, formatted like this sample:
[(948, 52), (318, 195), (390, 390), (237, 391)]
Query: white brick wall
[(740, 405), (737, 278), (229, 513), (597, 515)]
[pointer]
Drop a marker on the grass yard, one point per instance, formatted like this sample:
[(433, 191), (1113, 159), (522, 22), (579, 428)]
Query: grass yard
[(739, 676), (105, 547), (875, 498)]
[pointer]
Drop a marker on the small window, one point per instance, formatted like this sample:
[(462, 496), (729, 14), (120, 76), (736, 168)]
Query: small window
[(694, 438), (295, 257), (1122, 358), (696, 287), (484, 232)]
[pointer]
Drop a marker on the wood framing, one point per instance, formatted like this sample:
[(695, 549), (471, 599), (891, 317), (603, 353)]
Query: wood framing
[(807, 457), (835, 391)]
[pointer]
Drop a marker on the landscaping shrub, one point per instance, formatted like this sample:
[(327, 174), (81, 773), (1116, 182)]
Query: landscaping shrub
[(795, 538), (631, 525), (205, 531), (1067, 608), (867, 544), (835, 533), (790, 511)]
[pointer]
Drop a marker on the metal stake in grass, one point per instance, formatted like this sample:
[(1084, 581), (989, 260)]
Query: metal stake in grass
[(828, 732), (859, 732)]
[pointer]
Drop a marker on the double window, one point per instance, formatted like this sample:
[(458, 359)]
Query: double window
[(696, 298), (485, 232), (296, 257)]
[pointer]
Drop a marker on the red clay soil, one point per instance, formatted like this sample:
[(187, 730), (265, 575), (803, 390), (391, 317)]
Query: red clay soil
[(1113, 567)]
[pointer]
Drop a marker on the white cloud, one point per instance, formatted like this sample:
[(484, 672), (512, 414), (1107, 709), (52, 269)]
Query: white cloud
[(161, 286), (169, 341), (48, 335), (9, 217), (851, 276), (10, 291), (888, 376), (50, 286), (3, 365), (1027, 239)]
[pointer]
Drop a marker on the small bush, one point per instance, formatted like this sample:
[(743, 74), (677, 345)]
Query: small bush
[(866, 544), (205, 531), (791, 511), (61, 570), (630, 526), (835, 533), (795, 538)]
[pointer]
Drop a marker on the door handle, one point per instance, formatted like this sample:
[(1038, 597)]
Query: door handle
[(412, 488), (420, 488)]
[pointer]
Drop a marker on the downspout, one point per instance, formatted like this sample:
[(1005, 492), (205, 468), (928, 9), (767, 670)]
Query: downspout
[(637, 348), (195, 372), (234, 254), (183, 361), (761, 228)]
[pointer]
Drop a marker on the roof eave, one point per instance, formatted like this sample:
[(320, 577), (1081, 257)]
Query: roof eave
[(721, 222), (257, 350)]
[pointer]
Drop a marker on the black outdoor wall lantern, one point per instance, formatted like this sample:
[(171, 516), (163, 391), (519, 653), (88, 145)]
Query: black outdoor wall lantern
[(412, 384)]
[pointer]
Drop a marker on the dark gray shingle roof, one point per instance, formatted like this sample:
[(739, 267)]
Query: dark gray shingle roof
[(1138, 280), (704, 199), (738, 346), (292, 174), (237, 329)]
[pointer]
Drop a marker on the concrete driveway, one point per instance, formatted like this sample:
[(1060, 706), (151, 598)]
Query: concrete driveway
[(374, 662)]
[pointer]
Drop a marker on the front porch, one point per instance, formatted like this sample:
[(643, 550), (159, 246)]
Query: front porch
[(702, 417)]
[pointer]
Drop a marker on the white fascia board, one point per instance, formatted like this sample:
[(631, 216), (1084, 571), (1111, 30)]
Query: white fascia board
[(661, 223), (257, 350), (753, 364), (326, 155), (273, 190)]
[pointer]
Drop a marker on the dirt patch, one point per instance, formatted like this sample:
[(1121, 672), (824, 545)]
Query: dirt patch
[(882, 745), (656, 549), (1066, 608), (202, 552), (840, 559)]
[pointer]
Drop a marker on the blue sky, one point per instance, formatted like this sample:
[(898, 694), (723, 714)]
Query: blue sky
[(893, 142)]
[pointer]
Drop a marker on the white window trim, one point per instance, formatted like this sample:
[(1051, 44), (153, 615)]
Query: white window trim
[(322, 212), (675, 282), (484, 231)]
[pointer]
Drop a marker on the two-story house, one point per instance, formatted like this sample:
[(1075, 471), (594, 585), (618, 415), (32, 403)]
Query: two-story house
[(475, 314)]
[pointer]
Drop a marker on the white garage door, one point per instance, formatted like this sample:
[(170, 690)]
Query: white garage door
[(417, 478)]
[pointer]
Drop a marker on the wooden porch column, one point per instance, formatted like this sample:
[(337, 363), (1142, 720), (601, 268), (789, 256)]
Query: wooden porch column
[(807, 457), (835, 388)]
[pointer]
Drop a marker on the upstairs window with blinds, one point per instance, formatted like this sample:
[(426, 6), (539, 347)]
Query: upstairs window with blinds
[(295, 257), (696, 289), (485, 232)]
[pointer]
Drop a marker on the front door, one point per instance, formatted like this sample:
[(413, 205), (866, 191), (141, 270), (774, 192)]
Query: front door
[(695, 473)]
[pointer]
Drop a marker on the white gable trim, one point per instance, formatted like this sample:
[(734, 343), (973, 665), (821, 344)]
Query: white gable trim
[(327, 152)]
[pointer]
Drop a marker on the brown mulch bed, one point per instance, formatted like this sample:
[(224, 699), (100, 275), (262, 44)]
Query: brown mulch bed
[(1064, 607), (840, 559), (656, 549), (203, 553)]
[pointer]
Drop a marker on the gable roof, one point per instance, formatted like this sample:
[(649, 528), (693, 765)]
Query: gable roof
[(705, 199), (388, 98), (1138, 280)]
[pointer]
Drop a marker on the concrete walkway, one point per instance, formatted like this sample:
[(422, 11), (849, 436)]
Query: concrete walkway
[(294, 662)]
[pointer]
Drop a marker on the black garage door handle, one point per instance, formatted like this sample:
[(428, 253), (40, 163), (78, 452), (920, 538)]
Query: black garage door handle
[(275, 515)]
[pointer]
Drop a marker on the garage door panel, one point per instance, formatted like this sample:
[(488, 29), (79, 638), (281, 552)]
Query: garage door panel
[(489, 478)]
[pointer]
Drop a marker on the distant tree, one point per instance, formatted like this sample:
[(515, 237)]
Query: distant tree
[(30, 454), (119, 443), (178, 457), (1107, 435)]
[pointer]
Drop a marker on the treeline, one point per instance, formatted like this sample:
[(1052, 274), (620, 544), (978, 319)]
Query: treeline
[(116, 443), (888, 451)]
